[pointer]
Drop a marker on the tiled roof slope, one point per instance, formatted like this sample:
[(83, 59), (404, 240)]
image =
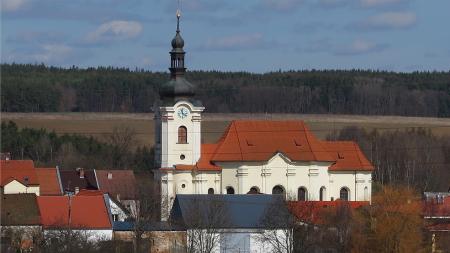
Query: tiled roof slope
[(248, 140), (120, 185), (348, 156), (86, 212), (19, 209), (49, 181), (71, 179), (204, 163), (19, 170)]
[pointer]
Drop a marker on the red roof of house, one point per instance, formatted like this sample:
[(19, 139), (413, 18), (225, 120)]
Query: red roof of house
[(119, 184), (87, 212), (348, 156), (260, 140), (437, 209), (49, 181), (439, 227), (20, 170), (312, 211)]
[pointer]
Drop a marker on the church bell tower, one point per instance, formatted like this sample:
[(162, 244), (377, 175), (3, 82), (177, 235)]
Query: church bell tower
[(178, 117)]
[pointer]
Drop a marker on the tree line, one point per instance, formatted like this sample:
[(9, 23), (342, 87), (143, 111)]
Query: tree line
[(69, 151), (39, 88)]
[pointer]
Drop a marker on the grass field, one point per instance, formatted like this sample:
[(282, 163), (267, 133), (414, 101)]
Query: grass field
[(100, 125)]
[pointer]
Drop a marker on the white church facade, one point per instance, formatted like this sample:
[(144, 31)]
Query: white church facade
[(252, 156)]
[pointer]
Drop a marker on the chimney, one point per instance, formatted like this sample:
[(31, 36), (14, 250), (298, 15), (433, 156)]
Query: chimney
[(81, 172), (109, 175), (77, 190)]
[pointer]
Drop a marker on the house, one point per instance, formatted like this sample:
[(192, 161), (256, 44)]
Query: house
[(19, 176), (86, 212), (49, 181), (436, 213), (20, 221), (235, 223), (80, 179), (157, 236), (120, 185), (270, 157)]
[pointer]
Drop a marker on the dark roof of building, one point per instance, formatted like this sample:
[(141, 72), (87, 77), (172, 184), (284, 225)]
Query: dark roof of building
[(231, 211), (21, 170), (19, 209), (72, 178), (151, 226), (119, 184)]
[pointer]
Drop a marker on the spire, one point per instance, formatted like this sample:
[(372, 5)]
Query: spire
[(178, 86)]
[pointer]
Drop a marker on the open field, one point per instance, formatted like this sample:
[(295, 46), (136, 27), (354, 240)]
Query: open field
[(99, 125)]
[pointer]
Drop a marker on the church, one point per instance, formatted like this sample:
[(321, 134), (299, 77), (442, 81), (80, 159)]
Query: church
[(252, 156)]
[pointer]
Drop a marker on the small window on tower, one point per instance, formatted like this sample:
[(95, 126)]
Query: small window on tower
[(182, 135)]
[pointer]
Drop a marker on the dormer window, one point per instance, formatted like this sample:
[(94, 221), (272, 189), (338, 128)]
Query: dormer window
[(182, 135)]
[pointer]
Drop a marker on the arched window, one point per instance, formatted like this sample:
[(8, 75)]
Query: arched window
[(253, 190), (230, 190), (182, 135), (323, 193), (278, 189), (343, 194), (366, 193), (210, 191), (302, 194)]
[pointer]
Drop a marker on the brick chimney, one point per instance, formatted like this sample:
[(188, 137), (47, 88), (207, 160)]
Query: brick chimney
[(81, 172), (110, 175)]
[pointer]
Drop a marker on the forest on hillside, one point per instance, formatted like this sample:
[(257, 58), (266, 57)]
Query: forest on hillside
[(39, 88)]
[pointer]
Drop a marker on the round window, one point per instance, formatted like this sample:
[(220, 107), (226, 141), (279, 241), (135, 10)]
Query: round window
[(182, 157), (183, 186)]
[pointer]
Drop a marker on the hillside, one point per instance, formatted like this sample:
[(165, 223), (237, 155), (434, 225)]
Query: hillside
[(100, 124), (38, 88)]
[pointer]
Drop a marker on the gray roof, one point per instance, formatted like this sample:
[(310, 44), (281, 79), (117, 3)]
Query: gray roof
[(231, 211)]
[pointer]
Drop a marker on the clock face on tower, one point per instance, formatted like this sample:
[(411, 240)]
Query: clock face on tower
[(183, 112)]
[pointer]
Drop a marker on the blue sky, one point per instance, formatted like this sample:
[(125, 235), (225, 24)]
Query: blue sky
[(230, 35)]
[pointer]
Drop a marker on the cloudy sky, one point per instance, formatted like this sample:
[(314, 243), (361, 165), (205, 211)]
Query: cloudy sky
[(230, 35)]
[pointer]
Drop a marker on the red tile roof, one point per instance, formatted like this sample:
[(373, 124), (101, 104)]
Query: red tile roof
[(258, 140), (313, 211), (19, 170), (121, 183), (49, 181), (87, 212), (348, 156)]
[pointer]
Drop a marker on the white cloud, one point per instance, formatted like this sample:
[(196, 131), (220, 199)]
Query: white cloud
[(13, 5), (235, 42), (390, 20), (359, 46), (115, 30), (46, 53)]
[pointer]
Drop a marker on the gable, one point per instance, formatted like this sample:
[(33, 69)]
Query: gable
[(21, 170)]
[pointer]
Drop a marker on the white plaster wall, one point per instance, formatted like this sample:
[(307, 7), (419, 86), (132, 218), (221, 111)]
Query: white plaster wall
[(15, 186), (171, 150), (291, 176), (91, 235), (116, 210)]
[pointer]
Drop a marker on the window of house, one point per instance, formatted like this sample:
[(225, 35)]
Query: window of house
[(182, 135), (343, 194), (230, 190), (210, 191), (253, 190), (278, 189), (366, 193), (302, 194), (115, 217), (323, 193)]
